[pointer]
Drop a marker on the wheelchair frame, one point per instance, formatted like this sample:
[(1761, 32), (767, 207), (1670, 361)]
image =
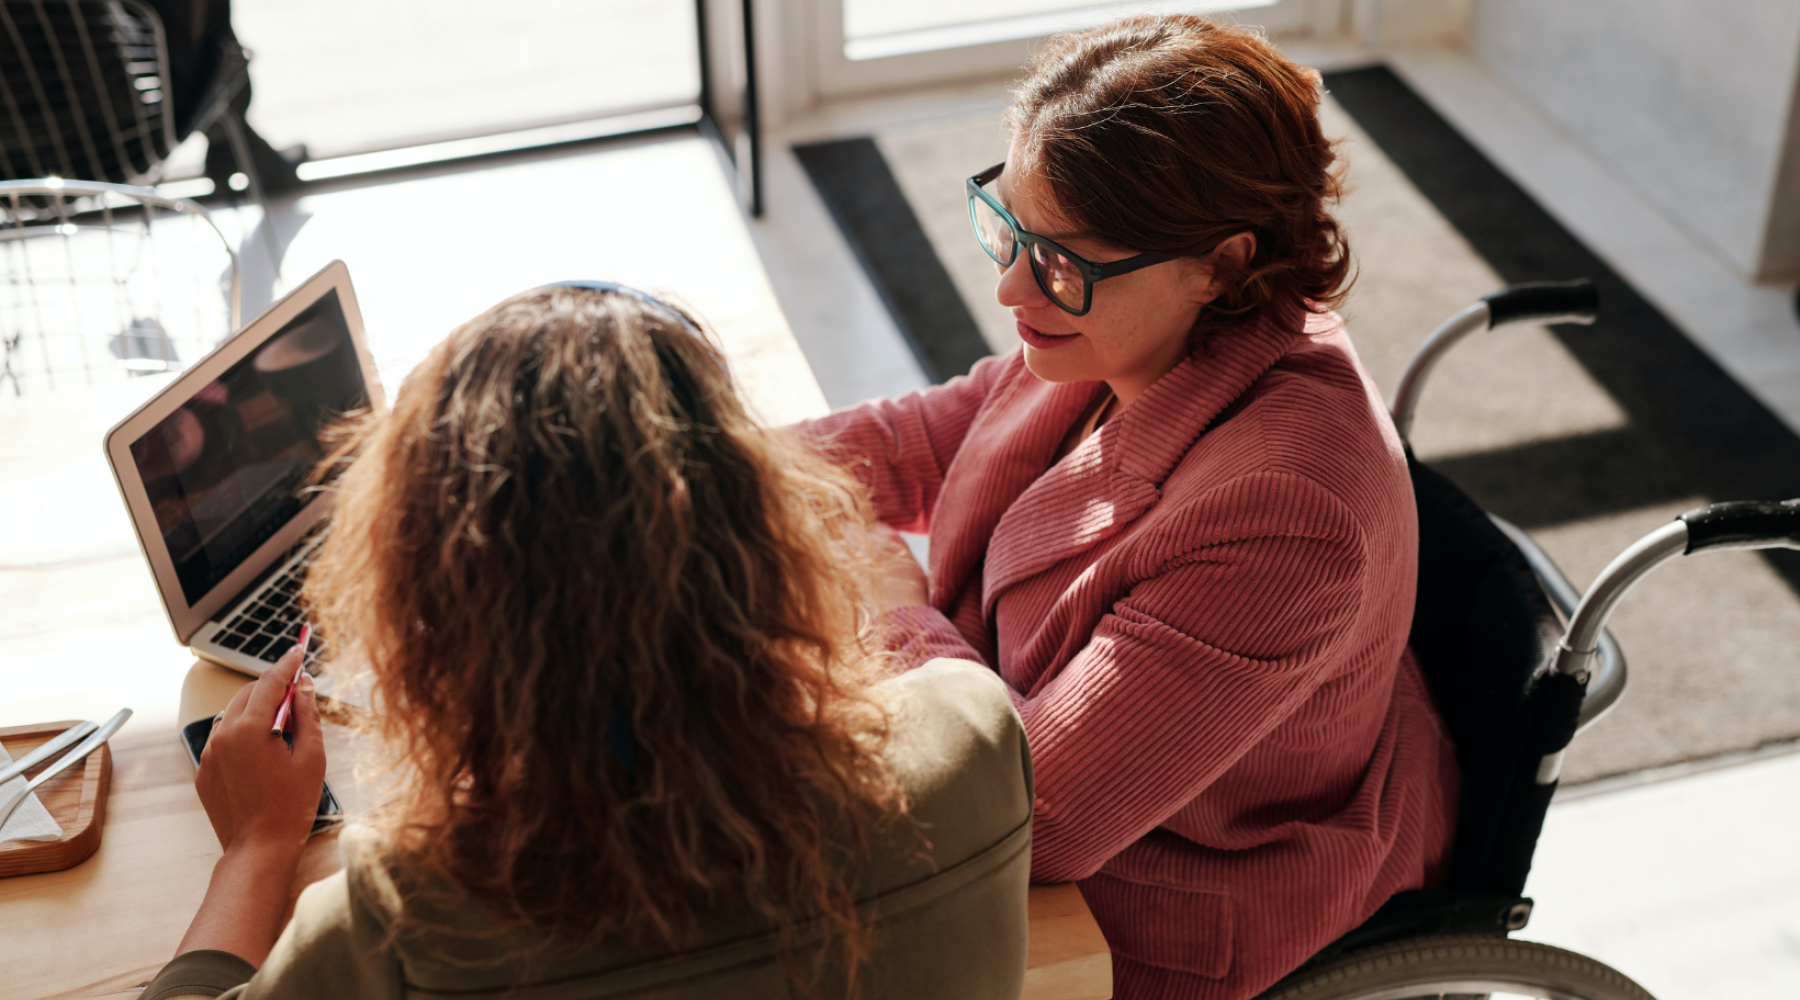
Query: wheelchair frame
[(1453, 943)]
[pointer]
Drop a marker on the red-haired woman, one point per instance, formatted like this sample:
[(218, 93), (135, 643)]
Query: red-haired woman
[(615, 644), (1177, 521)]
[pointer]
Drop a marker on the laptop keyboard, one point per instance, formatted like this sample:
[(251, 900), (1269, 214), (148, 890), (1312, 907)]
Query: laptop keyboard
[(269, 626)]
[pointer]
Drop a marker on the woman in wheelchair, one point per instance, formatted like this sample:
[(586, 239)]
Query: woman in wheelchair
[(1177, 521), (613, 634)]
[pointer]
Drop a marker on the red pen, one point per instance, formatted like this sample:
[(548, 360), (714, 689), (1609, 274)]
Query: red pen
[(287, 700)]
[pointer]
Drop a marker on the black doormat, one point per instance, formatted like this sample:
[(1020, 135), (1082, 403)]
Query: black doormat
[(858, 188), (1692, 429)]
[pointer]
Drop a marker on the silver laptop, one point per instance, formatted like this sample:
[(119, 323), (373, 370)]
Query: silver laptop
[(214, 471)]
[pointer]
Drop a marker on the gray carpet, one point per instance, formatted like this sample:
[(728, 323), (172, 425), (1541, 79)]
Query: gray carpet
[(1543, 426)]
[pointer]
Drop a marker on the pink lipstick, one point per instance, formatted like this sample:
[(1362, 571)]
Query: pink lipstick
[(1044, 341)]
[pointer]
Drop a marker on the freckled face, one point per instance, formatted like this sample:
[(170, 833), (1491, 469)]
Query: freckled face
[(1137, 328)]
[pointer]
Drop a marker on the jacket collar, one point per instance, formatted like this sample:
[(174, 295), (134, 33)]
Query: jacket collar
[(1110, 479)]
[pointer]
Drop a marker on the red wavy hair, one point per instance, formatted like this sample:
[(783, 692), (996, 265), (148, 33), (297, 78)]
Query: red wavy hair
[(1167, 134)]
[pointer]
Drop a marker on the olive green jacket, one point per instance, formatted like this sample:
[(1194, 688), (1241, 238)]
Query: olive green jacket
[(946, 910)]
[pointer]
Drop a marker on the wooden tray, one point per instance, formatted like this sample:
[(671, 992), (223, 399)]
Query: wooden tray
[(76, 798)]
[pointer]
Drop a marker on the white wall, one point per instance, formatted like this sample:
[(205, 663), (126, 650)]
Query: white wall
[(1398, 23), (1692, 103)]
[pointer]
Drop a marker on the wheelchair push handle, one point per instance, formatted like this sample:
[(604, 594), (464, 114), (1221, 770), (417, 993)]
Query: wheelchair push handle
[(1740, 524), (1575, 301), (1743, 524), (1737, 524)]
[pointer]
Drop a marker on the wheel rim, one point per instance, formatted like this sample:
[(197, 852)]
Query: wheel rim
[(1473, 986)]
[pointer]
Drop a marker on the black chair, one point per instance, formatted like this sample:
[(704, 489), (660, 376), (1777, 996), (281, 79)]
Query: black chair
[(89, 93)]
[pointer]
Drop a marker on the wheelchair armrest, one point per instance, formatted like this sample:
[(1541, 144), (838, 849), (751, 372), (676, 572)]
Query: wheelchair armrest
[(1607, 681)]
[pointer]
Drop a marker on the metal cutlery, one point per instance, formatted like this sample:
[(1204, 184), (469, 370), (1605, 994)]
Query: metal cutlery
[(32, 759), (85, 747)]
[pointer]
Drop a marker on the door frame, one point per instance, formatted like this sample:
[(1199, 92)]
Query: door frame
[(730, 105)]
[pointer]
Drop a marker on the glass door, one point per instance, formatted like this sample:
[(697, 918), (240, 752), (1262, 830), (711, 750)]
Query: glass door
[(352, 76), (867, 46), (367, 85)]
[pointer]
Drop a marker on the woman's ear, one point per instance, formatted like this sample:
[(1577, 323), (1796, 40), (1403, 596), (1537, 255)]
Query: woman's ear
[(1230, 257)]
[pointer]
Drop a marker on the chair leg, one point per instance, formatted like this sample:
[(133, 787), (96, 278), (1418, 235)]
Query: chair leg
[(237, 136), (11, 345)]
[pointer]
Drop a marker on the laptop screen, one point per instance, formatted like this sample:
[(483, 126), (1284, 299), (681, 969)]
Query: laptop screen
[(224, 472)]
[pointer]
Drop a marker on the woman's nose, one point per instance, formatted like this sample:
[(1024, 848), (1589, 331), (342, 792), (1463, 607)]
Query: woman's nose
[(1018, 289)]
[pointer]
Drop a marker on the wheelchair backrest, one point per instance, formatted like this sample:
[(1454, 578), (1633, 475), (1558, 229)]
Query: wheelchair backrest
[(1483, 632)]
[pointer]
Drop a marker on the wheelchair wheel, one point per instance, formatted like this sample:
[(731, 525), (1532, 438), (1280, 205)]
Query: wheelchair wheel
[(1458, 967)]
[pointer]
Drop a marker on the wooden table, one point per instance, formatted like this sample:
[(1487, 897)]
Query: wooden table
[(103, 928)]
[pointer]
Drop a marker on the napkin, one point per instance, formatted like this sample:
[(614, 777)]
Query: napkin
[(31, 821)]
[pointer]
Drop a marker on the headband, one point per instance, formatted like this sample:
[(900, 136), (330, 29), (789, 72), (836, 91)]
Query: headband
[(627, 290)]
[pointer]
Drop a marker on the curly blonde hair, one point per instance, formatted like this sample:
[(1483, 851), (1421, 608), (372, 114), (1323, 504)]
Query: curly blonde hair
[(612, 628)]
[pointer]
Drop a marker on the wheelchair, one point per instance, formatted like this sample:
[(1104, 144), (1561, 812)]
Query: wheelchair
[(1518, 663)]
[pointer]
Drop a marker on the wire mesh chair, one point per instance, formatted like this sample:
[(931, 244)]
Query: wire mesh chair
[(101, 282), (85, 91), (88, 92)]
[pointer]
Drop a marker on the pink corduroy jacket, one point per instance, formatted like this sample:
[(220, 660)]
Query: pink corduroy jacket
[(1202, 614)]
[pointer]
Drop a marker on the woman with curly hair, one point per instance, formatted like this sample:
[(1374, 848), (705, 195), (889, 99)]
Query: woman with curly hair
[(1177, 520), (615, 638)]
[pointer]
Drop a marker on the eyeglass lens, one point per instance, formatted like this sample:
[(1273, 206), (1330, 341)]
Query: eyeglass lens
[(995, 233), (1058, 276)]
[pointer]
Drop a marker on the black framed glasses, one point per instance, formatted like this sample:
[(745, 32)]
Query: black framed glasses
[(1067, 279)]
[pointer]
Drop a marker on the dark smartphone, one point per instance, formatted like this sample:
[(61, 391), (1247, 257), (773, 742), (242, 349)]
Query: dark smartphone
[(194, 736)]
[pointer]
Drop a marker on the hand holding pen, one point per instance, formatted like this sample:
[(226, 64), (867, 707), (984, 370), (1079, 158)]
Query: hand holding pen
[(260, 792), (262, 795)]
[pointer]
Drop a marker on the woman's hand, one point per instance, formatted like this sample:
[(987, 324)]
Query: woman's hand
[(262, 798), (900, 580), (255, 789)]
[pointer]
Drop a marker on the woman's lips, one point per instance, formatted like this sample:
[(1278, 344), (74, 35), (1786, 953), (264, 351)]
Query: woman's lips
[(1045, 341)]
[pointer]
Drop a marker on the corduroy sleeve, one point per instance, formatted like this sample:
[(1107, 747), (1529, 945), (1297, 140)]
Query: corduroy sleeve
[(1195, 666), (918, 633), (900, 448)]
